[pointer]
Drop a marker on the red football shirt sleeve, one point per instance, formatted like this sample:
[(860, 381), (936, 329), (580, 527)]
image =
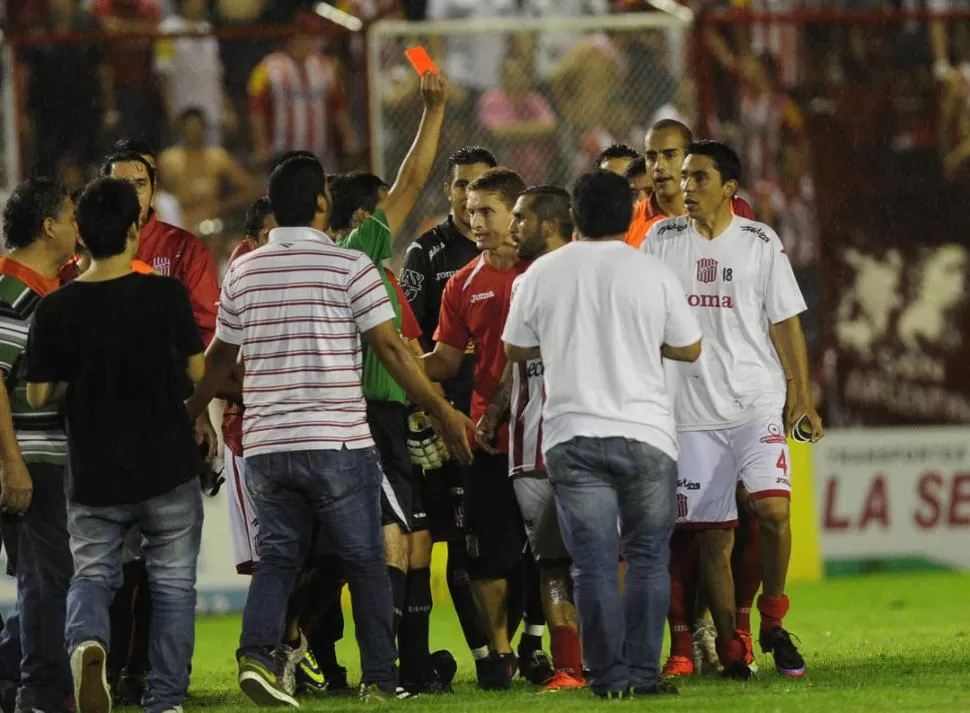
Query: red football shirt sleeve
[(410, 329), (742, 208), (452, 329), (201, 279)]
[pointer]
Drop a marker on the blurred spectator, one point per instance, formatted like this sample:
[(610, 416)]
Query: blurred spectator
[(474, 60), (239, 56), (190, 71), (552, 46), (66, 86), (207, 182), (132, 101), (71, 172), (297, 101), (521, 122), (22, 15)]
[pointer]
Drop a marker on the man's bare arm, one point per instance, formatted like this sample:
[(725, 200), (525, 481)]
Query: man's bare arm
[(789, 342), (691, 352), (515, 353), (443, 363), (16, 485), (220, 358), (417, 165)]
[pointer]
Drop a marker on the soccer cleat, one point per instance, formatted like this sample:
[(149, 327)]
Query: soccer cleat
[(737, 671), (373, 693), (309, 677), (261, 678), (563, 680), (89, 671), (705, 649), (749, 661), (337, 681), (537, 668), (678, 666), (613, 695), (660, 688), (444, 665), (788, 662), (496, 672)]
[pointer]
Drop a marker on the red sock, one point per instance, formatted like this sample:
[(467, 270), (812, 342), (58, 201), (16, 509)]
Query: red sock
[(730, 651), (746, 566), (772, 610), (684, 580), (566, 651)]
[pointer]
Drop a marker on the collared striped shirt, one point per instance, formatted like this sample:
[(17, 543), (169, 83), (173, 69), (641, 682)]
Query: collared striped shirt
[(40, 432), (297, 307)]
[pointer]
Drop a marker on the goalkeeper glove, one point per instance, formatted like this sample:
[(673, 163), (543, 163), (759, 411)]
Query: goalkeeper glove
[(424, 444)]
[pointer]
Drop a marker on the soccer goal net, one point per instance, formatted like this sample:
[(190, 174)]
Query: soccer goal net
[(545, 95)]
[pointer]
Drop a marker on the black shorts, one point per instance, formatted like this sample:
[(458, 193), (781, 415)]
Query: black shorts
[(443, 492), (496, 535), (401, 500)]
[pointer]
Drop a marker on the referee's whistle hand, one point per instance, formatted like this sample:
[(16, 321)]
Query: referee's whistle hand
[(455, 429)]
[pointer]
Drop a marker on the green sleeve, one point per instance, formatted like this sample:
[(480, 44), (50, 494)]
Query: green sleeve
[(372, 237)]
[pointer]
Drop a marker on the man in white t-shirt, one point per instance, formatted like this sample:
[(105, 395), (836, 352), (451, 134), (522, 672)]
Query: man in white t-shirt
[(594, 311), (730, 404)]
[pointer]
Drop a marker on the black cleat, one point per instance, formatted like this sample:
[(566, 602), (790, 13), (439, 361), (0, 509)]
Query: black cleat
[(788, 662), (660, 688), (737, 671), (496, 672), (537, 668), (444, 665)]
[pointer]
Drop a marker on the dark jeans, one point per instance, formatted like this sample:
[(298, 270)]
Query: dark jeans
[(340, 490), (597, 481), (171, 527), (44, 569)]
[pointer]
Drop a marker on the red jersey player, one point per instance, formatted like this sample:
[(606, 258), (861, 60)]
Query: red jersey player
[(474, 306)]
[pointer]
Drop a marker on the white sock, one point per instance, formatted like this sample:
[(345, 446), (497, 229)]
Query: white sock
[(480, 653), (535, 629)]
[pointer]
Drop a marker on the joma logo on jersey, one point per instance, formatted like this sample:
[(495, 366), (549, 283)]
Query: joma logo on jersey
[(715, 301), (706, 270), (482, 296)]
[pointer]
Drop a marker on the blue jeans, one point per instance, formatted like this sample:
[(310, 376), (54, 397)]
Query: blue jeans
[(171, 527), (341, 490), (596, 481), (44, 569)]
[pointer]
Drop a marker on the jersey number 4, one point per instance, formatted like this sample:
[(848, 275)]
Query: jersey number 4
[(782, 463)]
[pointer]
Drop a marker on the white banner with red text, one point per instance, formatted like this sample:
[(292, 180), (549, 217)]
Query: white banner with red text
[(892, 499)]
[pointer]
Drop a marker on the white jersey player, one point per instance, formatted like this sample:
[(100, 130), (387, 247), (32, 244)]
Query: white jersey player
[(730, 404)]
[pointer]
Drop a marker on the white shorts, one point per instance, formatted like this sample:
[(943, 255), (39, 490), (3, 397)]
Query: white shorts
[(243, 523), (713, 462)]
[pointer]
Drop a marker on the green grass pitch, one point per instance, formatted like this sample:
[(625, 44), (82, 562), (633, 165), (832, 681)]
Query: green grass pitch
[(877, 643)]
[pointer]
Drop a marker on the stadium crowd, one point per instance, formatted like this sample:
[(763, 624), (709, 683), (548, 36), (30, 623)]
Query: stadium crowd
[(586, 394)]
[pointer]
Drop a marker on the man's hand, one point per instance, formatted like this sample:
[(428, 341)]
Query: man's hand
[(433, 90), (454, 429), (799, 406), (16, 487), (487, 427), (206, 434)]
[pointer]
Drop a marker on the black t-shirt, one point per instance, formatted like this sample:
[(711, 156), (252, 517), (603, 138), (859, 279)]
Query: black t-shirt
[(429, 262), (122, 347)]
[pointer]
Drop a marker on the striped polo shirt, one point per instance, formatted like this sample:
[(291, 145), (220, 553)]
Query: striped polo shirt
[(40, 432), (297, 307)]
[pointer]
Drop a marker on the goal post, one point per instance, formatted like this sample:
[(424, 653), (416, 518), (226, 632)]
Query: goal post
[(545, 95)]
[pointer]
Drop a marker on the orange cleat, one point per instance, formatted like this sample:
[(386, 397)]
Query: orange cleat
[(678, 666), (564, 680)]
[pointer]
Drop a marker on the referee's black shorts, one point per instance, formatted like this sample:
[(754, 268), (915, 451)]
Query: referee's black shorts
[(496, 535), (401, 497)]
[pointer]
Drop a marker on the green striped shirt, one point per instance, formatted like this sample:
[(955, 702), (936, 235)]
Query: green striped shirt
[(40, 432)]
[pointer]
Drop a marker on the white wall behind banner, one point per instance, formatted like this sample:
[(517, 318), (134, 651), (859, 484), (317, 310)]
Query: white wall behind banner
[(894, 498), (220, 588)]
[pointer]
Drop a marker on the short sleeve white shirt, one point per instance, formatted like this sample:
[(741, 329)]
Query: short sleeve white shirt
[(737, 285), (600, 313)]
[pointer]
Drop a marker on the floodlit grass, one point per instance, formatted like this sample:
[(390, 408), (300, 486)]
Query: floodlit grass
[(878, 643)]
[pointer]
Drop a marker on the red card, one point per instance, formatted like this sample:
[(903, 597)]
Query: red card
[(421, 61)]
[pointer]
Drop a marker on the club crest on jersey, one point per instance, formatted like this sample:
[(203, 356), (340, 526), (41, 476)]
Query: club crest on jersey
[(774, 435), (706, 270), (162, 265)]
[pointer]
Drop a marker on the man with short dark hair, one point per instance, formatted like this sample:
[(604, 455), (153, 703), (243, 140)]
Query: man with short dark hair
[(41, 234), (735, 407), (309, 451), (639, 180), (132, 451), (616, 158), (429, 263), (608, 434)]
